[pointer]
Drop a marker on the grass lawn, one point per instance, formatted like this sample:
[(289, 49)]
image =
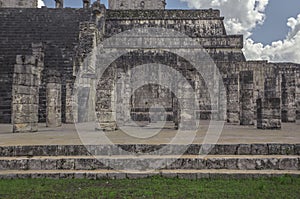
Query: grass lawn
[(155, 187)]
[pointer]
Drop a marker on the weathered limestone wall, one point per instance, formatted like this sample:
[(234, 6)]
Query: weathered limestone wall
[(204, 26), (136, 4), (193, 23), (18, 3)]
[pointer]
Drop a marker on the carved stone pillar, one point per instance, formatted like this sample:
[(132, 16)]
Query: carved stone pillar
[(71, 111), (187, 103), (288, 97), (246, 98), (25, 90), (105, 102), (25, 95), (233, 108), (268, 113), (53, 99), (298, 97)]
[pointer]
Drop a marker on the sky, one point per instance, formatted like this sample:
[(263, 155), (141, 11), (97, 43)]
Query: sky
[(271, 28)]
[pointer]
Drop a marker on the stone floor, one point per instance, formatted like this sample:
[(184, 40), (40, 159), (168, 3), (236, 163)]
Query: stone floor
[(149, 134)]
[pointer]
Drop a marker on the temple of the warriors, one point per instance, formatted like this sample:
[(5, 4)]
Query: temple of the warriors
[(41, 51)]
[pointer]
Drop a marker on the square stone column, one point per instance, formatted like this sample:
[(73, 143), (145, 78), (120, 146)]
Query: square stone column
[(268, 113), (298, 97), (288, 97), (186, 113), (70, 110), (233, 107), (106, 101), (246, 98), (53, 99), (25, 95)]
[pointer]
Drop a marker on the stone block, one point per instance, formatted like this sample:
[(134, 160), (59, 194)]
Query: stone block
[(34, 164), (116, 176), (67, 164), (70, 175), (79, 175), (289, 164), (202, 175), (231, 163), (259, 149), (53, 176), (215, 163), (91, 176), (189, 176), (183, 163), (269, 164), (231, 149), (274, 149), (244, 149), (101, 176), (136, 175), (4, 164), (297, 149), (84, 164), (246, 164), (287, 149), (49, 164)]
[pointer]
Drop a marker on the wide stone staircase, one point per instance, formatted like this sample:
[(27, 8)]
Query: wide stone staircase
[(140, 161)]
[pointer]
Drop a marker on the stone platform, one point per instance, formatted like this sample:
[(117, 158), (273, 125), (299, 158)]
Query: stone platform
[(68, 135), (240, 152)]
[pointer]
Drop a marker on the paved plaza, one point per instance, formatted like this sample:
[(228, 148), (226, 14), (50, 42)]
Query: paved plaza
[(68, 134)]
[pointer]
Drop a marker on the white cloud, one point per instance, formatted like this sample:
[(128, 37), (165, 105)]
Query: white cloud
[(40, 3), (242, 16), (287, 50)]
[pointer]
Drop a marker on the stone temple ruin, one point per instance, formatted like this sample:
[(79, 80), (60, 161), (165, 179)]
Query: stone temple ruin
[(42, 49)]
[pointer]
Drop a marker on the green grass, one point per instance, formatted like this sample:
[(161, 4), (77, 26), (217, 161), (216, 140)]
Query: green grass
[(155, 187)]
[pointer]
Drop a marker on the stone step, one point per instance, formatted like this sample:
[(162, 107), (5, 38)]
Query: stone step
[(111, 174), (152, 162), (140, 149)]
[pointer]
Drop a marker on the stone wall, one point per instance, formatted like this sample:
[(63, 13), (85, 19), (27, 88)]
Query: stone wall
[(18, 3), (136, 4)]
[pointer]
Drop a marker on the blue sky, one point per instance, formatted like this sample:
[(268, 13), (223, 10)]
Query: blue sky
[(266, 32)]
